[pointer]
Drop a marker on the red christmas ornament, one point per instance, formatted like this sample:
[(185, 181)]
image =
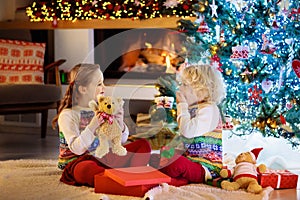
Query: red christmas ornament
[(86, 8), (255, 94), (215, 58), (296, 67), (282, 119), (274, 25), (294, 11), (215, 62), (228, 125), (110, 7), (203, 28), (222, 36), (240, 52), (185, 7), (117, 8)]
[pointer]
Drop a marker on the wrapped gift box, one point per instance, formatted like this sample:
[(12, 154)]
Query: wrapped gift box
[(104, 184), (131, 181), (278, 179)]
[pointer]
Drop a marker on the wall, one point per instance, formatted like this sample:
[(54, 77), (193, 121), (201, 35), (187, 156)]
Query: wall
[(74, 45), (7, 10)]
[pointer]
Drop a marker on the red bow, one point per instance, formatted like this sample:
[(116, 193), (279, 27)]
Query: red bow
[(108, 117)]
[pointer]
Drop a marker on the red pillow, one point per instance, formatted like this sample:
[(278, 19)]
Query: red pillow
[(21, 62)]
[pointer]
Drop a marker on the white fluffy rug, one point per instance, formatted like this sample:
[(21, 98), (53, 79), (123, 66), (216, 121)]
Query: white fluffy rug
[(39, 179)]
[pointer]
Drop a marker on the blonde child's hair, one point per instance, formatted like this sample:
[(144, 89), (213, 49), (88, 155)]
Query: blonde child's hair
[(206, 81), (80, 75)]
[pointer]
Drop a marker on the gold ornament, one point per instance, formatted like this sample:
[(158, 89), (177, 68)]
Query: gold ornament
[(173, 113), (246, 76), (214, 49), (202, 8), (235, 121), (272, 123), (228, 71), (260, 123), (224, 44), (275, 55)]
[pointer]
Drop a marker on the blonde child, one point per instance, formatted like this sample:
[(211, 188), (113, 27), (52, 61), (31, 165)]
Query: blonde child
[(77, 124), (202, 89)]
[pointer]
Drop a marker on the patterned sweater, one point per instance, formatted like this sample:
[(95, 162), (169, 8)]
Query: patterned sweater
[(201, 125), (75, 138)]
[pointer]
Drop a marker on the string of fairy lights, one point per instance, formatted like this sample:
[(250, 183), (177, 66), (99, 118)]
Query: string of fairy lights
[(73, 10)]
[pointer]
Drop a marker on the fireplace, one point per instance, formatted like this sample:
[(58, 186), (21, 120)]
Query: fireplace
[(137, 53)]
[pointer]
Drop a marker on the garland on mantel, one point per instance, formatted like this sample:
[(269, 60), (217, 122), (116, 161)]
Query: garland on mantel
[(53, 10)]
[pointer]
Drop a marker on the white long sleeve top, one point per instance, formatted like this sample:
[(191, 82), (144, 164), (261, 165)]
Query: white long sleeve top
[(206, 119), (73, 125)]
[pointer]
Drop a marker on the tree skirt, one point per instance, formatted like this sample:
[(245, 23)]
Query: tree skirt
[(39, 179)]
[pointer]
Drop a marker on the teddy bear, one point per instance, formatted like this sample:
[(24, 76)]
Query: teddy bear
[(110, 132), (244, 173)]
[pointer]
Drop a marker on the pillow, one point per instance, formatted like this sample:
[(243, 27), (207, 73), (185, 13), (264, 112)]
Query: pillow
[(21, 62)]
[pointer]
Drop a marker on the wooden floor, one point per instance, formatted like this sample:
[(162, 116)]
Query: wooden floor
[(25, 143)]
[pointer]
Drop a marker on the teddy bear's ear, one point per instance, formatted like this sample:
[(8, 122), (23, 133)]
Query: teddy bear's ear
[(93, 104), (120, 101), (100, 98)]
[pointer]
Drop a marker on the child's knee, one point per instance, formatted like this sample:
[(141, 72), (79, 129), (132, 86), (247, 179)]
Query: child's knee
[(145, 145), (85, 171)]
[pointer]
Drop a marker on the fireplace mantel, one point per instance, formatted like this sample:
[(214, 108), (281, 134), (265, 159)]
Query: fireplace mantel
[(165, 22)]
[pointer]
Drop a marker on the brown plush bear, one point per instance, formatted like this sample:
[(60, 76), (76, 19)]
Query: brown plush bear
[(245, 173), (110, 132)]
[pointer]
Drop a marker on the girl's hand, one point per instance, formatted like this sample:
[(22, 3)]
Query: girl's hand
[(100, 118), (180, 95), (120, 118), (185, 94), (96, 121)]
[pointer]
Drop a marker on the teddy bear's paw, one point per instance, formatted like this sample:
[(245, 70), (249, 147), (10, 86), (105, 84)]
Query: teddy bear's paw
[(262, 168), (231, 186), (100, 152), (254, 188), (224, 173), (119, 150)]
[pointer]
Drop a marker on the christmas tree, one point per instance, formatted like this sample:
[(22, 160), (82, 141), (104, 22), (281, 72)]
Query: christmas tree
[(256, 45)]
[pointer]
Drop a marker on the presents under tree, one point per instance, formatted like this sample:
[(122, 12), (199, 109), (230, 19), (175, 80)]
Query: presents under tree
[(278, 179)]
